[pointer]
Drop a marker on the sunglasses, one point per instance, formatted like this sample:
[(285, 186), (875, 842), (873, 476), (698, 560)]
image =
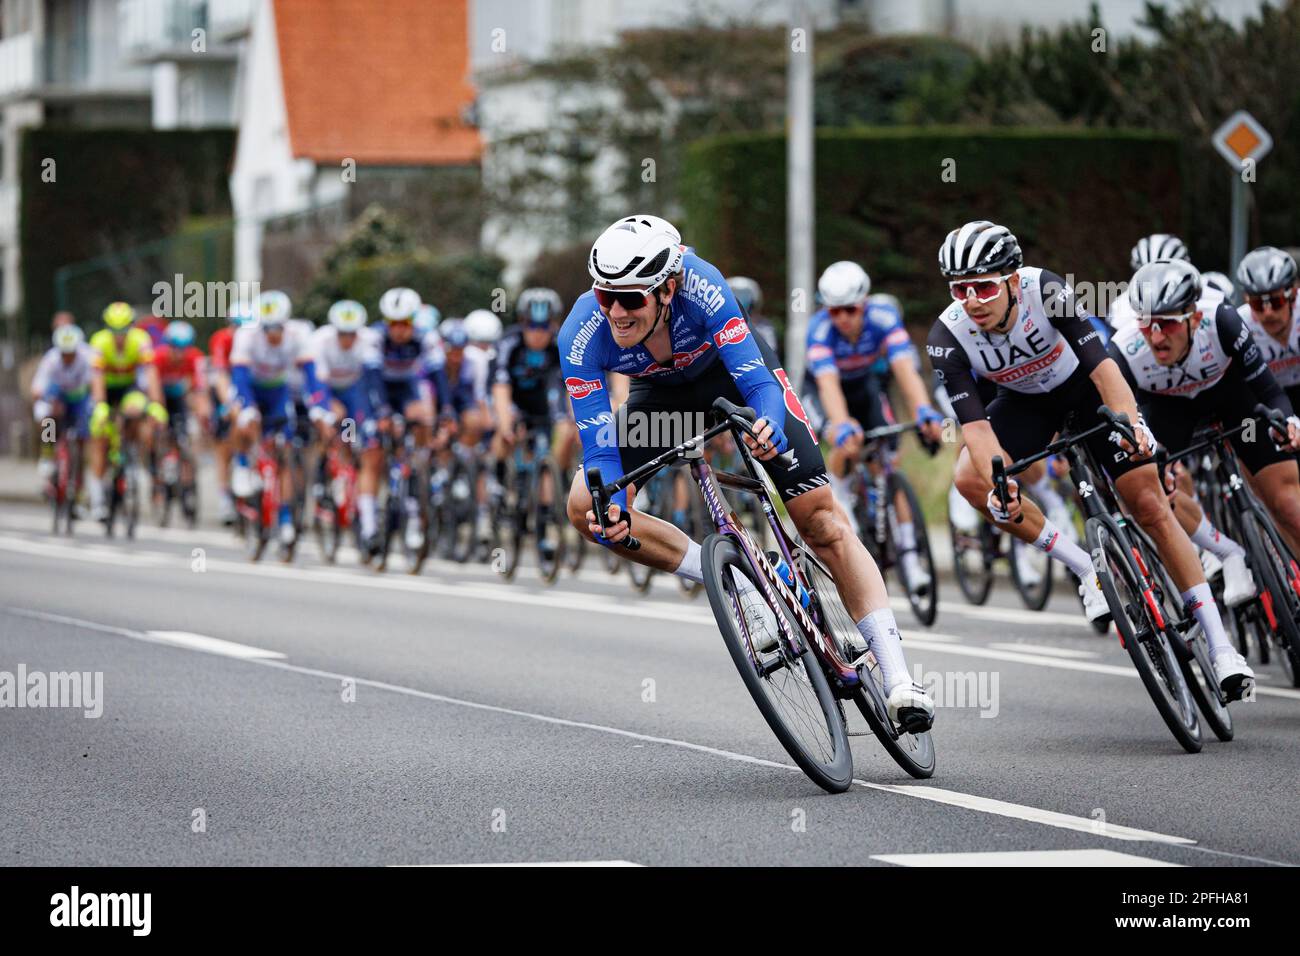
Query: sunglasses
[(984, 290), (842, 309), (1273, 302), (1166, 323), (629, 299)]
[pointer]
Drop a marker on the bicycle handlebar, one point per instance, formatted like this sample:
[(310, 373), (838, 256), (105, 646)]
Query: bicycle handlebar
[(1001, 487)]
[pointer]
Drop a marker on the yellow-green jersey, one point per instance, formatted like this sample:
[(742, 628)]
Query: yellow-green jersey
[(120, 364)]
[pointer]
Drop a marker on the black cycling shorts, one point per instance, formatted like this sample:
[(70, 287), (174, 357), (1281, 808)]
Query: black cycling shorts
[(1026, 422), (1173, 420), (656, 417)]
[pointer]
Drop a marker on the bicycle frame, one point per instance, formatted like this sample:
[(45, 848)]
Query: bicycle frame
[(844, 676)]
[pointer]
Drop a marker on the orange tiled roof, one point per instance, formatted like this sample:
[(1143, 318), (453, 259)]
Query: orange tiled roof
[(383, 82)]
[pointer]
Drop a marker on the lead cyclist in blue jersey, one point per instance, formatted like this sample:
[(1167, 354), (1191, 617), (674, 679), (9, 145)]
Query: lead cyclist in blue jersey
[(665, 318)]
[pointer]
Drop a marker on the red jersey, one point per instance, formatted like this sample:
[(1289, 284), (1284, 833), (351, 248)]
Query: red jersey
[(180, 370), (219, 347)]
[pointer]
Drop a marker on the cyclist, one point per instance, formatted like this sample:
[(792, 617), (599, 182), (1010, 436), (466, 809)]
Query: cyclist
[(845, 340), (60, 389), (181, 371), (666, 318), (1268, 278), (1157, 247), (407, 359), (526, 387), (121, 362), (1021, 327), (262, 358), (345, 356), (222, 400), (749, 296)]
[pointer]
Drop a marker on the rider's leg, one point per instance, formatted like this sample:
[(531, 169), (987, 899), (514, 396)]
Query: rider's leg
[(1278, 485)]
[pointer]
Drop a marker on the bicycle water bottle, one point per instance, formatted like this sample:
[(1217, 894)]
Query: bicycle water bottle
[(785, 574)]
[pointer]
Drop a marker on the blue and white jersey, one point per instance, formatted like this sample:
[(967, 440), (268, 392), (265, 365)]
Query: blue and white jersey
[(410, 360), (883, 339), (69, 382), (706, 326)]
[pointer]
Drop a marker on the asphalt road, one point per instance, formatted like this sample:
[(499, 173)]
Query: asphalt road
[(346, 717)]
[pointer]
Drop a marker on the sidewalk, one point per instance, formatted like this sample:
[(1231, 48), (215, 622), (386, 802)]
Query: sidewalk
[(18, 481)]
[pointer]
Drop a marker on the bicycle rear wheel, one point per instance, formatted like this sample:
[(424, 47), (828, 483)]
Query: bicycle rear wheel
[(1274, 563), (1034, 594), (548, 520), (923, 598), (1147, 643), (790, 690), (970, 561)]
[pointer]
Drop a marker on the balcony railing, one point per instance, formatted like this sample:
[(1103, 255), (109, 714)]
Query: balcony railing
[(151, 27), (17, 64)]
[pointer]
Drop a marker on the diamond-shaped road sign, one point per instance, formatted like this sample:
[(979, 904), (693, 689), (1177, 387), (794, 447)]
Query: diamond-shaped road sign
[(1241, 138)]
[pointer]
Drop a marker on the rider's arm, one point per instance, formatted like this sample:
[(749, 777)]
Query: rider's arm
[(584, 379), (1241, 346), (740, 354), (502, 394), (41, 380), (909, 382), (1072, 320), (832, 396), (952, 368), (1116, 392)]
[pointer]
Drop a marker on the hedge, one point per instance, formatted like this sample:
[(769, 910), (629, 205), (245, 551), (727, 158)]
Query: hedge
[(1077, 200), (112, 190)]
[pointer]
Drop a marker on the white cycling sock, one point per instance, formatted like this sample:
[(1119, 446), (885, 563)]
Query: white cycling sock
[(1200, 601), (906, 537), (1052, 542), (1211, 539), (880, 631), (95, 488), (690, 568), (366, 512)]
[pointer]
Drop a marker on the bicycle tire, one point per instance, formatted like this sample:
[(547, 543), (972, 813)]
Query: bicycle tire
[(975, 584), (548, 521), (834, 773), (1147, 646), (1268, 559), (925, 607)]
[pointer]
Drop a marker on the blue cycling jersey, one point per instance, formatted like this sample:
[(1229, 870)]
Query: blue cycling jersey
[(883, 339), (706, 325)]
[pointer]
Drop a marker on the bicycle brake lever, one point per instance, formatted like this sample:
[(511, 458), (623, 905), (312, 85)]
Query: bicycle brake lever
[(600, 506), (1001, 486)]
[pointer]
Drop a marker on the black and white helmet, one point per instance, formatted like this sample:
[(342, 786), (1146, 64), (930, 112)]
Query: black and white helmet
[(538, 306), (1156, 247), (636, 251), (1164, 287), (1219, 282), (978, 248), (1266, 270)]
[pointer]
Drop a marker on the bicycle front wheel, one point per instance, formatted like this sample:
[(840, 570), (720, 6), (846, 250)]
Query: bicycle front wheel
[(1272, 562), (1127, 592), (921, 583), (789, 689)]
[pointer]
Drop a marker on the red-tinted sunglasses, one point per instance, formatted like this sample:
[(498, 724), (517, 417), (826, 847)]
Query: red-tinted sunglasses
[(840, 309), (1166, 323), (985, 290), (1274, 301), (629, 299)]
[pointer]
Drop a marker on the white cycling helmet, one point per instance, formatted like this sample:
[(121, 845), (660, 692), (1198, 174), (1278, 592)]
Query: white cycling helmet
[(347, 315), (1164, 287), (844, 283), (1157, 247), (1220, 283), (68, 338), (427, 318), (639, 251), (273, 308), (399, 305), (482, 326)]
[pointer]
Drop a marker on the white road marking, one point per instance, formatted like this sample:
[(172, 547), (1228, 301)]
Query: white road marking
[(1022, 858), (565, 863), (211, 645), (194, 642), (571, 601), (1042, 649), (935, 794)]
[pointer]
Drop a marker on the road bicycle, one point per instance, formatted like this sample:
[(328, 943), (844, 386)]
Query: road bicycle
[(791, 638), (334, 501), (259, 512), (124, 478), (65, 483), (1145, 631), (175, 483), (404, 515), (1273, 614), (533, 505), (876, 480)]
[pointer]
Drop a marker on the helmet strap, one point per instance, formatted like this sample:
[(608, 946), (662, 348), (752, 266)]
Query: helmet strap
[(1000, 328), (662, 308)]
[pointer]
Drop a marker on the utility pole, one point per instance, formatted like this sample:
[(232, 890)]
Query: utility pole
[(799, 188)]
